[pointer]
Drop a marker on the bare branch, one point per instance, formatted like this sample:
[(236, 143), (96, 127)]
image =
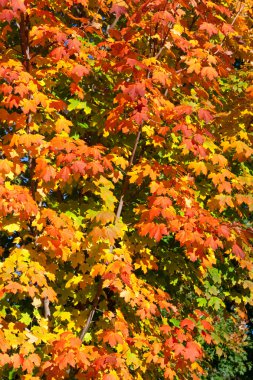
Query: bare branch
[(112, 26), (92, 312), (47, 312)]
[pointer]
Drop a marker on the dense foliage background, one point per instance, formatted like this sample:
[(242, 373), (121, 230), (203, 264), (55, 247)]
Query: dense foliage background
[(126, 189)]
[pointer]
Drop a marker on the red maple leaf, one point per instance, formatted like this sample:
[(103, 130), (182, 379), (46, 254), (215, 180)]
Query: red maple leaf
[(188, 323), (205, 115), (135, 90), (156, 231), (64, 174), (193, 351), (238, 251), (80, 70), (210, 28), (207, 326), (119, 8), (7, 15)]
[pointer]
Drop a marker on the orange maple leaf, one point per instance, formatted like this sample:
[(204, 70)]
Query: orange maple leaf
[(113, 338), (209, 72)]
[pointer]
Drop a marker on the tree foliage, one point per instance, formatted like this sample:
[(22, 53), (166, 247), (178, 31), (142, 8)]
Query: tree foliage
[(125, 185)]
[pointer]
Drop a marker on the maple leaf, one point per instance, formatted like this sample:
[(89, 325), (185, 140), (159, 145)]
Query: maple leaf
[(110, 376), (188, 323), (119, 7), (183, 110), (112, 338), (4, 359), (192, 351), (155, 231), (17, 360), (169, 373), (220, 160), (141, 116), (49, 173), (194, 66), (29, 106), (5, 345), (250, 91), (227, 28), (210, 28), (98, 269), (223, 230), (205, 115), (207, 337), (135, 90), (209, 72), (18, 5), (105, 217), (66, 359), (198, 167), (236, 249), (58, 53), (62, 124), (153, 213), (225, 186), (14, 287), (80, 70), (5, 166), (30, 362), (7, 15), (163, 17), (6, 89), (64, 174), (207, 326)]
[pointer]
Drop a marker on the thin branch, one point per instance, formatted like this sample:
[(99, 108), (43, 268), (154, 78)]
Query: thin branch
[(47, 312), (11, 48), (125, 183), (195, 18), (112, 26), (159, 52), (238, 14), (232, 23), (92, 312), (24, 39), (180, 70)]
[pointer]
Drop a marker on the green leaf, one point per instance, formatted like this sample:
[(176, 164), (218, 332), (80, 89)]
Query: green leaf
[(26, 319), (215, 274), (216, 303), (75, 104), (83, 125), (175, 322), (201, 302), (87, 337)]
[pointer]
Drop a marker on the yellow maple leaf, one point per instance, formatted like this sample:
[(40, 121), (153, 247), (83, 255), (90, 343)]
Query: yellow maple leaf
[(36, 302), (198, 167), (12, 227)]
